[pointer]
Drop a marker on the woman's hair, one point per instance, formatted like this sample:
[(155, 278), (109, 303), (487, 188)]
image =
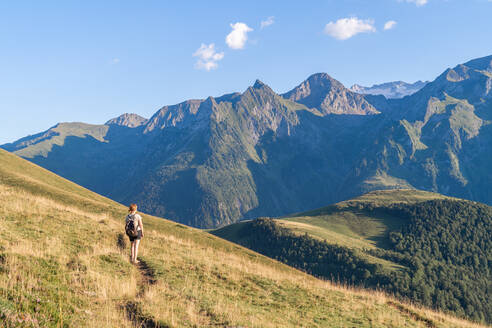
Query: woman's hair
[(132, 208)]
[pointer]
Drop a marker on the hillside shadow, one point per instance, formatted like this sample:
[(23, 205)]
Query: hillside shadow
[(391, 222)]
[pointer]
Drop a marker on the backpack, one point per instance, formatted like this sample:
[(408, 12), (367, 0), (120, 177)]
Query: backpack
[(131, 226)]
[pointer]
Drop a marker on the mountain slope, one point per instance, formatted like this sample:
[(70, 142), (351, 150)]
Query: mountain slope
[(417, 245), (63, 263)]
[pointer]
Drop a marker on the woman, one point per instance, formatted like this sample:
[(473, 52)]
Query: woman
[(135, 240)]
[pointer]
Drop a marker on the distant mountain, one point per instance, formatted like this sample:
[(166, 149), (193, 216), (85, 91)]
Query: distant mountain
[(210, 162), (390, 90)]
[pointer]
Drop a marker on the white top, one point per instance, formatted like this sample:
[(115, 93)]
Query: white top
[(139, 218)]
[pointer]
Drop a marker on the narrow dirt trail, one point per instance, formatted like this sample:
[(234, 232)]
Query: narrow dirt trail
[(417, 317), (147, 277), (139, 319), (133, 308)]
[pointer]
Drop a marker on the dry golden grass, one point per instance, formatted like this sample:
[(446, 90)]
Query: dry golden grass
[(99, 289)]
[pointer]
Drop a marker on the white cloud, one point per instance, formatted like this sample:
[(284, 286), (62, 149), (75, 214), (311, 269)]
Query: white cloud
[(207, 57), (269, 21), (238, 36), (417, 2), (389, 25), (115, 61), (345, 28)]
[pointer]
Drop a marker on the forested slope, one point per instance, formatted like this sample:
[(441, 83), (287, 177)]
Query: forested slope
[(435, 252)]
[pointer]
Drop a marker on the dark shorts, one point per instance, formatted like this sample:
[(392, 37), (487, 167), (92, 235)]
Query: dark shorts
[(139, 236)]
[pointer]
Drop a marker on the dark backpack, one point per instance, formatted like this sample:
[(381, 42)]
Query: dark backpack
[(131, 226)]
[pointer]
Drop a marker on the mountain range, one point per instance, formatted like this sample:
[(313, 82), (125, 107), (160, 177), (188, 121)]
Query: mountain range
[(211, 162), (390, 90)]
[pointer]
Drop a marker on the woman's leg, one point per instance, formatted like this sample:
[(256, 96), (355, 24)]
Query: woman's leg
[(132, 252), (137, 242)]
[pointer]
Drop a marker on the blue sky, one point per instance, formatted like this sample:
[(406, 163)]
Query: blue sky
[(90, 61)]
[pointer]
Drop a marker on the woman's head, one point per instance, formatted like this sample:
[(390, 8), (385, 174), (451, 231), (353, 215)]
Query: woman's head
[(132, 208)]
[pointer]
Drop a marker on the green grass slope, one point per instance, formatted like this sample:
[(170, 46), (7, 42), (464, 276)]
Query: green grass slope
[(422, 246), (347, 223), (64, 263), (350, 224)]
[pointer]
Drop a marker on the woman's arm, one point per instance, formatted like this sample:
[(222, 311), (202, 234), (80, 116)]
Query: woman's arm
[(140, 223)]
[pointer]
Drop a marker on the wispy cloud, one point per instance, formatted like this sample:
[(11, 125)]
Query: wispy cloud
[(208, 58), (345, 28), (418, 2), (389, 25), (269, 21), (115, 61), (238, 36)]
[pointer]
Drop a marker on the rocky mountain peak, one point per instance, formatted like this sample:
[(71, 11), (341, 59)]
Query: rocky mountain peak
[(260, 88), (322, 80), (329, 96), (129, 120), (175, 115), (258, 84)]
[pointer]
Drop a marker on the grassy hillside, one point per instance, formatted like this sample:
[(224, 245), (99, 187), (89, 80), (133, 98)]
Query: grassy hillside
[(63, 263), (347, 223), (422, 246)]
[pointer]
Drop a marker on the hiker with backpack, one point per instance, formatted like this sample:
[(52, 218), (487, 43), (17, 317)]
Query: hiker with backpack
[(134, 231)]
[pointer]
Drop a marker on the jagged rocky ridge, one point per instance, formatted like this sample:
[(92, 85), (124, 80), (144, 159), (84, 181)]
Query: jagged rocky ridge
[(213, 161)]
